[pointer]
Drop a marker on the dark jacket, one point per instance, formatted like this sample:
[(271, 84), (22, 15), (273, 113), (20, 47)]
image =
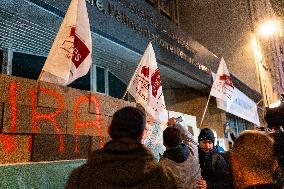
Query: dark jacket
[(214, 170), (122, 163)]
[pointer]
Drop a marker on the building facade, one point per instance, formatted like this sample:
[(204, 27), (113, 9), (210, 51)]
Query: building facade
[(121, 30), (232, 30)]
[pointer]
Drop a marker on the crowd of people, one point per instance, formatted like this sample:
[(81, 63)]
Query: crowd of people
[(255, 161)]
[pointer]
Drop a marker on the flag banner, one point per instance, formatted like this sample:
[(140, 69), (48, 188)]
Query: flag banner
[(70, 54), (222, 87), (145, 86), (242, 106)]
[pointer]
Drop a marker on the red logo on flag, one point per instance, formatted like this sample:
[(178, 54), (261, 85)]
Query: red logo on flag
[(77, 51), (145, 71), (80, 52), (227, 80), (155, 82)]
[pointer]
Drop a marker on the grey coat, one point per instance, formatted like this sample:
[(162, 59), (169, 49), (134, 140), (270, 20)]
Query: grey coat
[(187, 172)]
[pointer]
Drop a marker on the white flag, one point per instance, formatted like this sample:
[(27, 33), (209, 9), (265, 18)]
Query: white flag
[(70, 54), (223, 87), (145, 86)]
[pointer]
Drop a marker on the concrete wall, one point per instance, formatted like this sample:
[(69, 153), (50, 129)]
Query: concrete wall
[(45, 122), (192, 102)]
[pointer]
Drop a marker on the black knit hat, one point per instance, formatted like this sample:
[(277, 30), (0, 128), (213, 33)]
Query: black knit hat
[(171, 137), (206, 134), (127, 122)]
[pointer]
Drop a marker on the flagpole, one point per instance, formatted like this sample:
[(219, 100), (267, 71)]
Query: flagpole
[(124, 94), (204, 111), (41, 72)]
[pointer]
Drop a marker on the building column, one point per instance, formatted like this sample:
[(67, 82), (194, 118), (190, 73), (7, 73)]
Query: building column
[(7, 61)]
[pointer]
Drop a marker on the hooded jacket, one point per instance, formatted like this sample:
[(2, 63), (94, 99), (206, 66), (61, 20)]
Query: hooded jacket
[(123, 163), (183, 162)]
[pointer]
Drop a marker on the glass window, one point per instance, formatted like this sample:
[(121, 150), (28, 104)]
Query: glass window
[(26, 65), (82, 83), (116, 86), (30, 66), (100, 80), (238, 124)]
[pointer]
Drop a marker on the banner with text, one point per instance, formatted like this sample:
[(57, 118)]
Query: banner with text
[(242, 107)]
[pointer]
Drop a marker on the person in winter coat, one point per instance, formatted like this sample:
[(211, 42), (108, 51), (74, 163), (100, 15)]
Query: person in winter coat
[(253, 162), (123, 162), (214, 168), (181, 160), (275, 122)]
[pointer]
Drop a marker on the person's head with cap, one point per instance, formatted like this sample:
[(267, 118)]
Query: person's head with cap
[(206, 140), (128, 122), (171, 137)]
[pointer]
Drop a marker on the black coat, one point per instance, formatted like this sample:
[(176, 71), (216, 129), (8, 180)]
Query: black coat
[(215, 170), (121, 164)]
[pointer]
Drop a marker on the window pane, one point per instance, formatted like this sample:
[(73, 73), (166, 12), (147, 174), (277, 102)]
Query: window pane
[(100, 80), (26, 65), (116, 86), (82, 83)]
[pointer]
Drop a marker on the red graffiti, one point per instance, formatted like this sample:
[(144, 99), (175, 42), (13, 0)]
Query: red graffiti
[(81, 124), (8, 140), (36, 116)]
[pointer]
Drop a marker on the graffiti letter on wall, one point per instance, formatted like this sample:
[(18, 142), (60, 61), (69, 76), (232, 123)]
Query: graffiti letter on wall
[(80, 124), (8, 140), (36, 116)]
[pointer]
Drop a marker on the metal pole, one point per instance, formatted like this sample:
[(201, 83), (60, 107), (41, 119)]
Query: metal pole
[(204, 111)]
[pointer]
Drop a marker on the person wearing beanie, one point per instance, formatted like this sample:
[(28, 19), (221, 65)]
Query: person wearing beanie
[(214, 168), (123, 162)]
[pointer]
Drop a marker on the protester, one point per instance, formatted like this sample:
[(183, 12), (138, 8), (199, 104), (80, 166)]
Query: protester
[(275, 121), (253, 162), (181, 160), (214, 168), (123, 162)]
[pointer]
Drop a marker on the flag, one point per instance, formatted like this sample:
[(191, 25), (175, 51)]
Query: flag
[(70, 54), (145, 86), (222, 87)]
